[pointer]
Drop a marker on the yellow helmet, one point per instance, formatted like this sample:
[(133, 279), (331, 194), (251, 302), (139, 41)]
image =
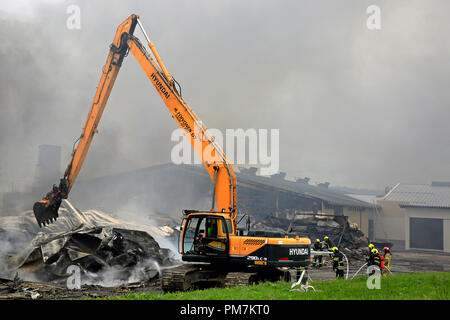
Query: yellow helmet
[(325, 238), (334, 249), (317, 240), (374, 251), (371, 246)]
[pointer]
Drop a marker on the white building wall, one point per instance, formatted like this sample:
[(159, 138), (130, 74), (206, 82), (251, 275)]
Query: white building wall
[(390, 222)]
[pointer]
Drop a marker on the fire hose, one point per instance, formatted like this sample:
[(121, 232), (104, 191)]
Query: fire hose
[(304, 286), (323, 253), (346, 276), (359, 270), (390, 272)]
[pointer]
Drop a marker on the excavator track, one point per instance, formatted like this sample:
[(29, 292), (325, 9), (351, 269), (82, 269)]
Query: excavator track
[(234, 279), (192, 277), (173, 279)]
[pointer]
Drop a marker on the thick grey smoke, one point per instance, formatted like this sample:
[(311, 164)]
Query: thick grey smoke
[(354, 107)]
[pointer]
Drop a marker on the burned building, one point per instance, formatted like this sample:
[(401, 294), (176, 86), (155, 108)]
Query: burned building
[(164, 190)]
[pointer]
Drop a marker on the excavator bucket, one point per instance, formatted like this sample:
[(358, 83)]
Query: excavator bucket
[(45, 213), (46, 210)]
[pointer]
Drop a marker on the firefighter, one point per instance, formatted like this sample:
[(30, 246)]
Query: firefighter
[(338, 263), (375, 260), (327, 243), (387, 260), (318, 246), (369, 254)]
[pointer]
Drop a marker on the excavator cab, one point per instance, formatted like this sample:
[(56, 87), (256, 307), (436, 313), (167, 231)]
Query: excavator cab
[(206, 237)]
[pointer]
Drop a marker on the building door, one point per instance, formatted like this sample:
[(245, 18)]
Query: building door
[(425, 233)]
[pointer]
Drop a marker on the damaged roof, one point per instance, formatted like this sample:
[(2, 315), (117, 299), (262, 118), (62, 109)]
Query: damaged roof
[(243, 177), (249, 178), (303, 189)]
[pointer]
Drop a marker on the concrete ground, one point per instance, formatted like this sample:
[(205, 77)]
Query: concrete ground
[(402, 262)]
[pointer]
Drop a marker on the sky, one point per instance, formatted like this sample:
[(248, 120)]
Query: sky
[(355, 107)]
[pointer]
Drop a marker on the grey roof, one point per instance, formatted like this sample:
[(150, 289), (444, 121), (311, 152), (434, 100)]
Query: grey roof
[(369, 198), (419, 195)]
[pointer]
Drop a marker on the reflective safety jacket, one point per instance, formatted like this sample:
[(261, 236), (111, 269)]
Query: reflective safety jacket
[(338, 261), (327, 244), (376, 260), (318, 246), (387, 260)]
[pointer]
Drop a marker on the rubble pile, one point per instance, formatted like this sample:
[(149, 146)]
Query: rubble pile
[(22, 229), (343, 233), (106, 251), (129, 255)]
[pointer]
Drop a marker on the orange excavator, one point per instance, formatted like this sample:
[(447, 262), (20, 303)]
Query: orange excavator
[(211, 236)]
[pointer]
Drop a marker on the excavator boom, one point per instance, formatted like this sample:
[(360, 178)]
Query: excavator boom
[(213, 158), (207, 236)]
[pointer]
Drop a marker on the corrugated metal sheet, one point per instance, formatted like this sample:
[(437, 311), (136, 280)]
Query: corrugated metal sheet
[(417, 195), (365, 197)]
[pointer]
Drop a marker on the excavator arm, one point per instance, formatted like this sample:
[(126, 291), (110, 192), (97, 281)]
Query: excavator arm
[(213, 158)]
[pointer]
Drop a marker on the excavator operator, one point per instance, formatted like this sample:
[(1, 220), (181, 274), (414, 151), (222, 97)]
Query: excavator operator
[(211, 228)]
